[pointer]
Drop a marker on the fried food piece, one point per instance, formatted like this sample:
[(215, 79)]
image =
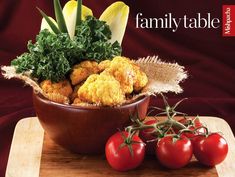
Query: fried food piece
[(63, 87), (83, 70), (141, 79), (58, 98), (126, 72), (58, 92), (104, 64), (77, 101), (101, 89), (74, 95), (123, 71)]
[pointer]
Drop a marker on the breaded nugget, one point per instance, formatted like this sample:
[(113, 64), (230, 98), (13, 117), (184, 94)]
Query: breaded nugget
[(83, 70), (63, 87), (101, 89), (58, 98), (58, 92), (77, 101), (122, 70), (103, 65), (74, 95), (141, 78)]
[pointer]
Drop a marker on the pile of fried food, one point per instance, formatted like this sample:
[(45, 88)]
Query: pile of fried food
[(108, 83)]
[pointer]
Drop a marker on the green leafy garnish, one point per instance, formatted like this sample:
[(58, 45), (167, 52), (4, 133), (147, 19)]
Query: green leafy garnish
[(46, 58), (53, 55), (95, 35)]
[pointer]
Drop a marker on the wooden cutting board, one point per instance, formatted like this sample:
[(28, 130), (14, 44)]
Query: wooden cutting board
[(33, 154)]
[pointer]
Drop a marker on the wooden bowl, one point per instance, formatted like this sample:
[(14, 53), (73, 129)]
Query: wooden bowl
[(81, 129)]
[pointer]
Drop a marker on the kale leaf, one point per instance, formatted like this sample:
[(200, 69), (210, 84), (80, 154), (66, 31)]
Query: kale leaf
[(96, 34), (47, 58), (53, 55)]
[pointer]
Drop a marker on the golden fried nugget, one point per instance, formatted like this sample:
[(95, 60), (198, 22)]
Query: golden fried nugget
[(58, 92), (74, 95), (141, 79), (58, 98), (83, 70), (122, 70), (104, 64), (63, 87), (101, 89), (77, 101)]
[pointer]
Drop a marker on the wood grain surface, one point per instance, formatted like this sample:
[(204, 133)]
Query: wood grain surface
[(59, 162), (227, 168), (26, 148), (55, 161)]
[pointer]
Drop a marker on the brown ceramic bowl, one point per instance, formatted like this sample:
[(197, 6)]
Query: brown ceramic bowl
[(85, 129)]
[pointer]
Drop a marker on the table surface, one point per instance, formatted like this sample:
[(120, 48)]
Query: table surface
[(33, 154)]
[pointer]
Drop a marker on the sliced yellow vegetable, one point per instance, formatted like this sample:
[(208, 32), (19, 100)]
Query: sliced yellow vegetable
[(86, 11), (116, 16), (70, 6), (45, 25), (70, 12)]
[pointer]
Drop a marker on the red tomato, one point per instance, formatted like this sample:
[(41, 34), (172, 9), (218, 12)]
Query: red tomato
[(197, 132), (146, 135), (174, 154), (119, 157), (197, 124), (210, 150)]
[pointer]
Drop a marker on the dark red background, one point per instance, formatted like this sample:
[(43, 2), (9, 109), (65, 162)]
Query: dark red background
[(208, 57)]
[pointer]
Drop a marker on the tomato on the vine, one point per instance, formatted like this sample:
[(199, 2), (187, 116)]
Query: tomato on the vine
[(196, 121), (210, 150), (174, 153), (147, 135), (123, 154), (197, 125)]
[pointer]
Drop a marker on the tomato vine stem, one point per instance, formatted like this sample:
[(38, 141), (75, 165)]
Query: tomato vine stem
[(170, 122)]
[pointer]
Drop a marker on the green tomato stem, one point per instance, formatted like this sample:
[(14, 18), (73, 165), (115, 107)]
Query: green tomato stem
[(155, 126)]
